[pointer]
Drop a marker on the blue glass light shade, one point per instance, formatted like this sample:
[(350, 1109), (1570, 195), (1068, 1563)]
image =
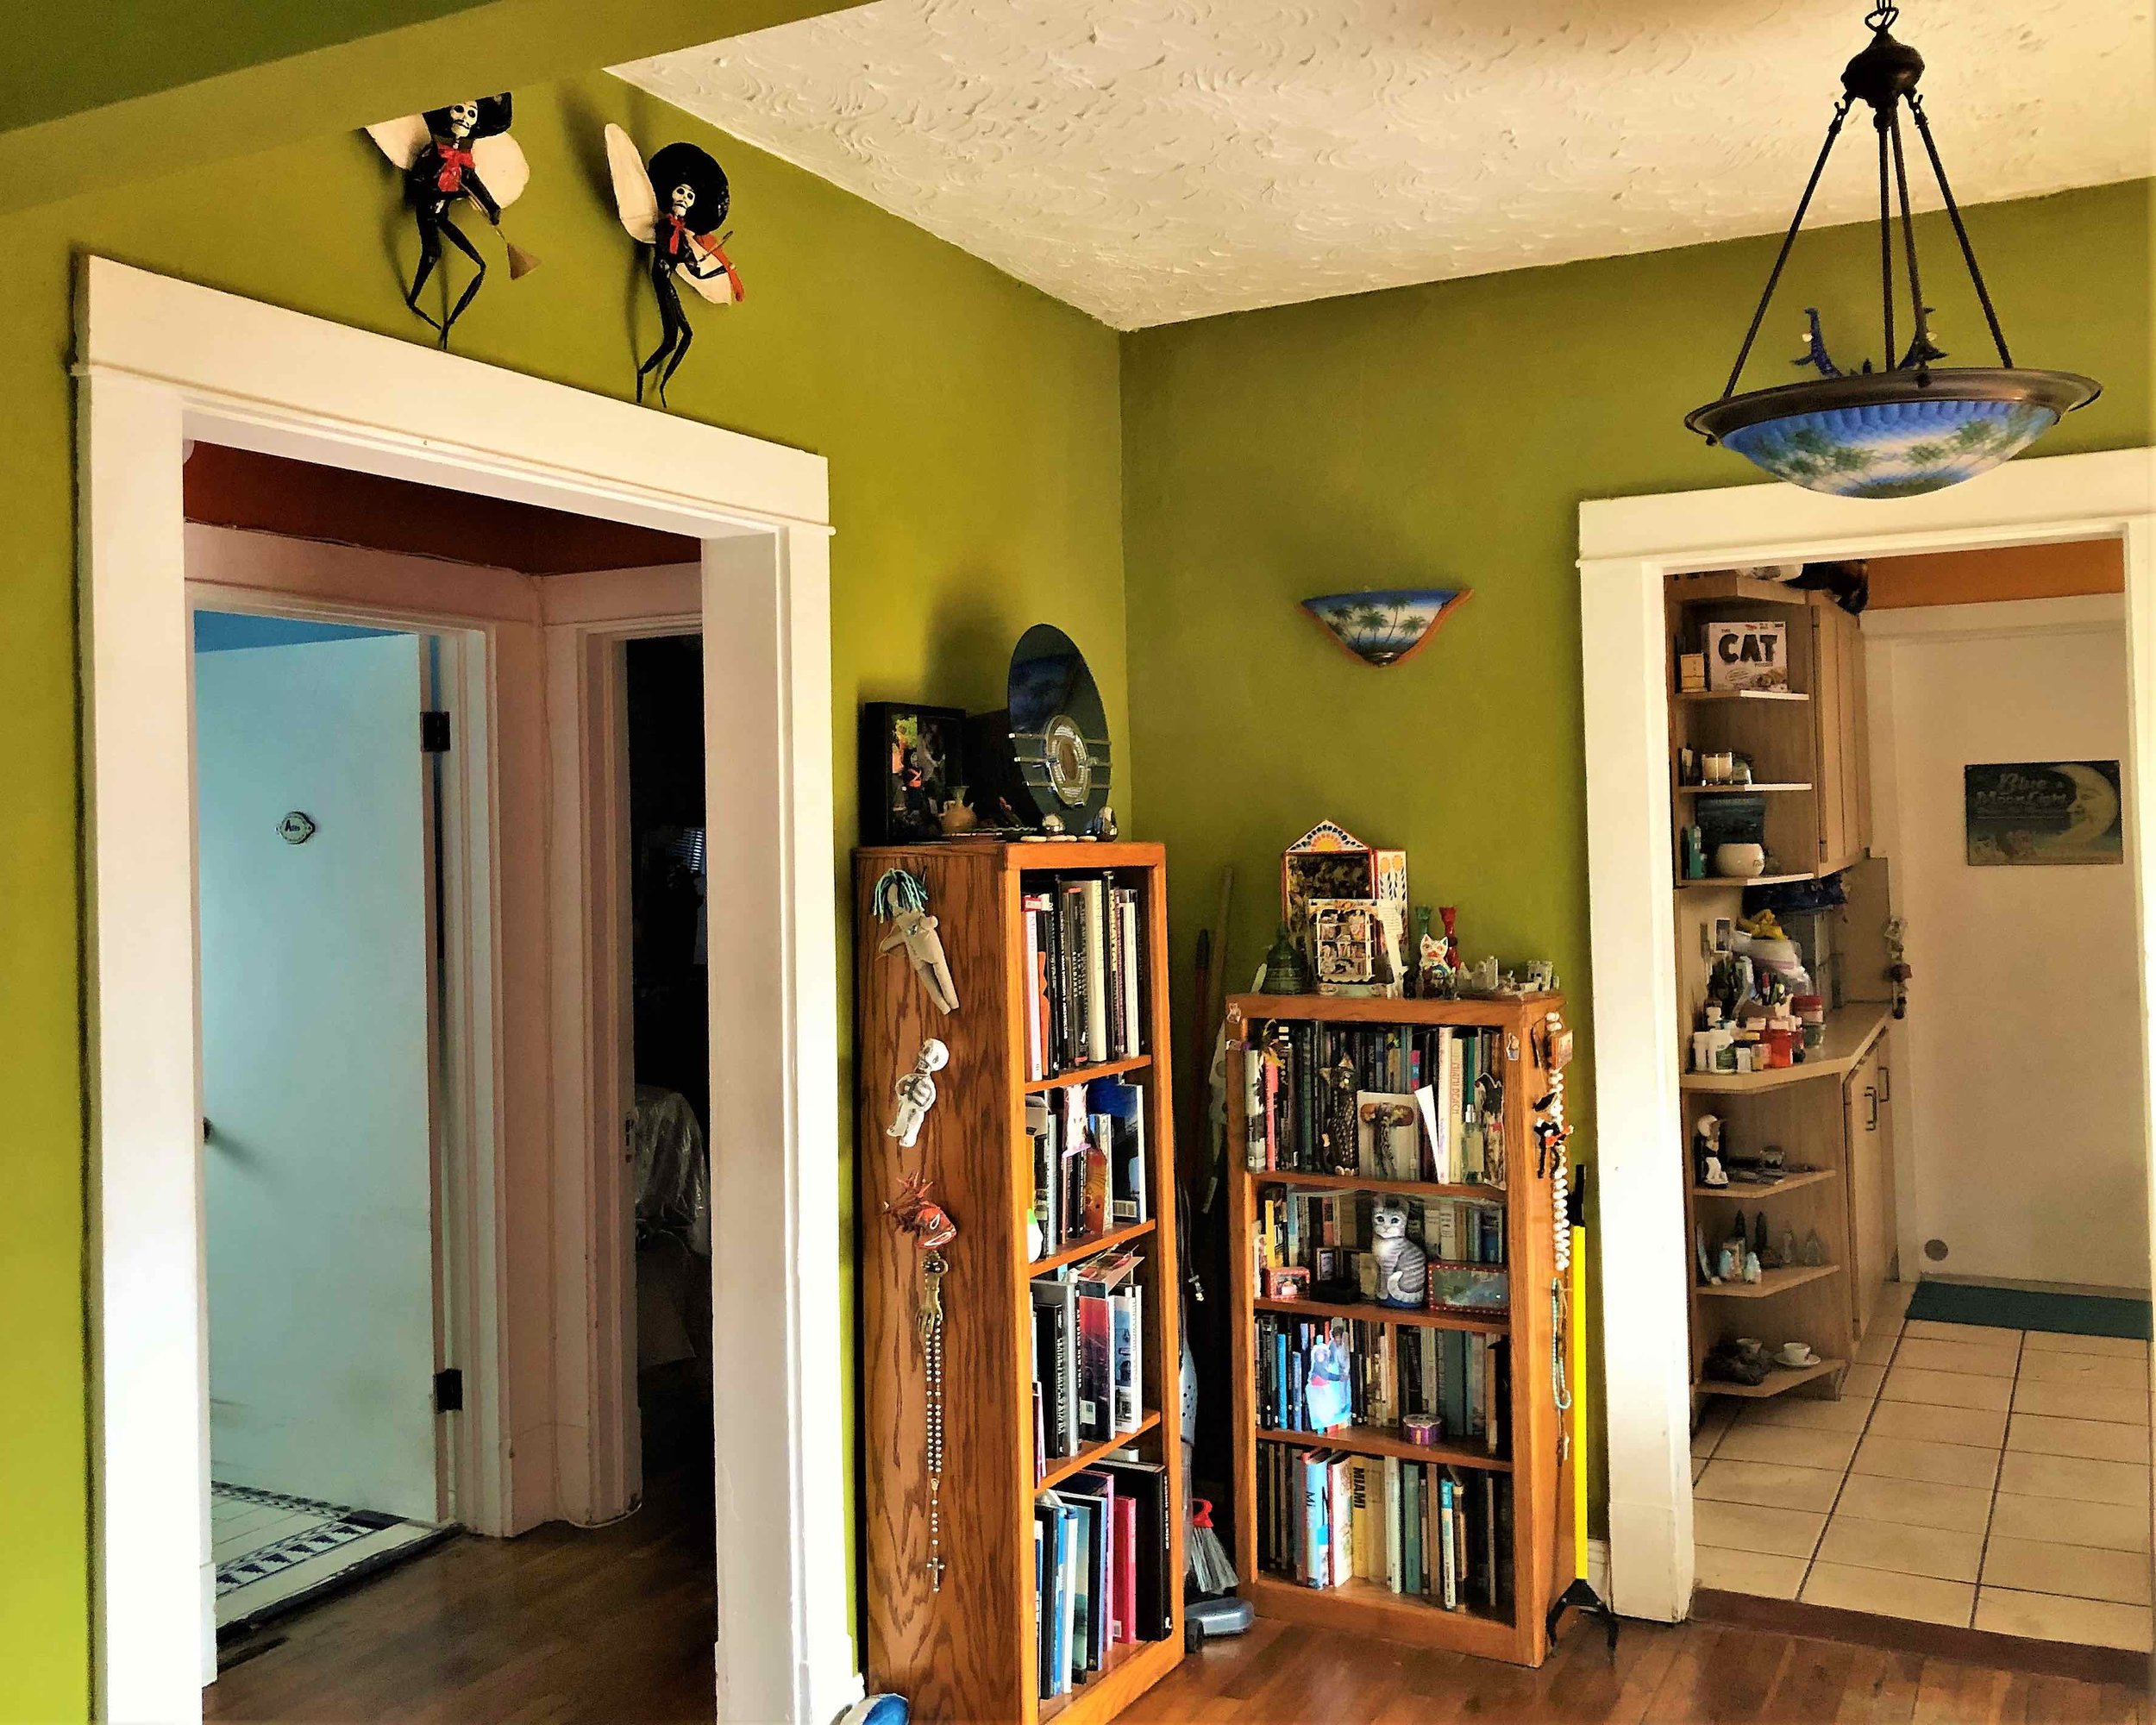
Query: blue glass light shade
[(1893, 434), (1384, 628)]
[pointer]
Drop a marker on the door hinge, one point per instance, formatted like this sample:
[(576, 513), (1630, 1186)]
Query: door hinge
[(448, 1391), (434, 732)]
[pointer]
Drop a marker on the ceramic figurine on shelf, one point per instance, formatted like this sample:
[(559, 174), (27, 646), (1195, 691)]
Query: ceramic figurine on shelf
[(917, 1093), (1339, 1117), (1287, 971), (1752, 1270), (1815, 1250), (1403, 1268), (1790, 1251), (1707, 1150)]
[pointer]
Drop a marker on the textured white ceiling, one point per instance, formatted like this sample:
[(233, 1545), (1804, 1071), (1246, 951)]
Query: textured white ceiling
[(1150, 161)]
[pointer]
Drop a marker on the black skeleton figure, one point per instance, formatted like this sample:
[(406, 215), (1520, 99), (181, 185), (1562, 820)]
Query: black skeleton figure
[(673, 208), (463, 150)]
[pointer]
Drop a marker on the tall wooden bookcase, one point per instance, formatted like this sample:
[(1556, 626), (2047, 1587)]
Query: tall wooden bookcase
[(1539, 1469), (969, 1651)]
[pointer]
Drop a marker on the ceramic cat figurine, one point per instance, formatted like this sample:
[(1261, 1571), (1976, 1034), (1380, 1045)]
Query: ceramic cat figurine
[(1403, 1268)]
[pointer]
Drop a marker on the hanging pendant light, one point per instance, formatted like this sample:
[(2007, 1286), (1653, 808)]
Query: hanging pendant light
[(1914, 426)]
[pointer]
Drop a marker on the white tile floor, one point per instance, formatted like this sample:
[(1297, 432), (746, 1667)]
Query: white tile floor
[(1993, 1479), (268, 1546)]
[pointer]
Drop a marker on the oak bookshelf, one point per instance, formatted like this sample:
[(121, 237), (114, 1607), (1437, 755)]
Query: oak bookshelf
[(1532, 1459), (968, 1652)]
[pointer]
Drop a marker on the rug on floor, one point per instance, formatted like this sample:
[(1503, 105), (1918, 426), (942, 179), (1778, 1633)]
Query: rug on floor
[(2019, 1308)]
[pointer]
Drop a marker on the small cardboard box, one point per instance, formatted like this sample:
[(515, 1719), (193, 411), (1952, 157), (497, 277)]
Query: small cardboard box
[(1747, 655)]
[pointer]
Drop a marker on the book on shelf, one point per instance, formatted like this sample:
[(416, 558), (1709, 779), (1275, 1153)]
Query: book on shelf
[(1088, 1349), (1088, 1143), (1100, 1558), (1085, 960), (1310, 1089), (1428, 1530), (1320, 1374), (1318, 1243)]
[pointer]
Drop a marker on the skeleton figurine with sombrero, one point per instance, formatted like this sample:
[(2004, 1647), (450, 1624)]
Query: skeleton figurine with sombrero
[(673, 207), (461, 151)]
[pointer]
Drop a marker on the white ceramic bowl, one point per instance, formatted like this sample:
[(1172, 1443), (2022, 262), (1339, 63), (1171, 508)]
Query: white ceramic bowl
[(1739, 861)]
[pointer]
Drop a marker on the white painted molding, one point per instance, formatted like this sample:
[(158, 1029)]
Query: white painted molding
[(2081, 613), (1628, 546), (161, 361)]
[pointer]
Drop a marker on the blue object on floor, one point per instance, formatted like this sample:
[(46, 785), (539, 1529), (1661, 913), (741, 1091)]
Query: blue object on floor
[(2018, 1308)]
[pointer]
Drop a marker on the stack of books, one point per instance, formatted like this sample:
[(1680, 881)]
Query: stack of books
[(1322, 1239), (1427, 1529), (1305, 1086), (1086, 960), (1101, 1569), (1321, 1375), (1088, 1339), (1088, 1147)]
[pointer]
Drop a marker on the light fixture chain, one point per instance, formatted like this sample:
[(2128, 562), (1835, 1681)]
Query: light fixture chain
[(1921, 346), (1954, 215), (1774, 275), (1886, 243)]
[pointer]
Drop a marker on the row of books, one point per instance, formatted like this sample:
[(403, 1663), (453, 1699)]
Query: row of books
[(1088, 1345), (1320, 1374), (1102, 1573), (1085, 955), (1436, 1532), (1088, 1147), (1381, 1101)]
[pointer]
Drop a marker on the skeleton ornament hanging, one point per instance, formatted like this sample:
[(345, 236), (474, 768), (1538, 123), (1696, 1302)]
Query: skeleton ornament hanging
[(673, 208), (459, 153)]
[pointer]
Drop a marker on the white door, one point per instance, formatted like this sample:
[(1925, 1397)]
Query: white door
[(315, 1038)]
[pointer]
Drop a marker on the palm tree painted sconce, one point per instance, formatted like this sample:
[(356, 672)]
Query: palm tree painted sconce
[(1384, 628)]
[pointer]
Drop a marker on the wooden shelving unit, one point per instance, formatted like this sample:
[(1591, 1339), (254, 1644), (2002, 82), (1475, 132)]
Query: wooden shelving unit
[(969, 1651), (1540, 1484)]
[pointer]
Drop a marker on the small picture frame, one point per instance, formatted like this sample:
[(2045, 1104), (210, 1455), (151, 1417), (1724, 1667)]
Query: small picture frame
[(913, 762)]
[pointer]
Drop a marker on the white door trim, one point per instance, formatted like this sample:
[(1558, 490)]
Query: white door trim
[(1628, 546), (159, 361)]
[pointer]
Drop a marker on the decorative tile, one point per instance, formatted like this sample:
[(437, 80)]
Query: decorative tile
[(1936, 1552), (2045, 1566), (2049, 1617), (2047, 1341), (1769, 1484), (2125, 1484), (1791, 1445), (1980, 1427), (2098, 1440), (2065, 1521), (1747, 1527), (1946, 1389), (1984, 1361), (2078, 1401), (2092, 1370), (1884, 1594), (1930, 1329), (1914, 1503), (1939, 1463), (1844, 1416), (1755, 1573)]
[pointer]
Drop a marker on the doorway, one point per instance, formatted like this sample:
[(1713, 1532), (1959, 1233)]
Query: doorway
[(163, 362), (315, 847), (1628, 548)]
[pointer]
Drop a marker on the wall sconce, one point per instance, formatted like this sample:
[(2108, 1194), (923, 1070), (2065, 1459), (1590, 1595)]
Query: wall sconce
[(1385, 628)]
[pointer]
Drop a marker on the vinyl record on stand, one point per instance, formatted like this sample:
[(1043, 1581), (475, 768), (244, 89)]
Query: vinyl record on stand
[(1045, 761)]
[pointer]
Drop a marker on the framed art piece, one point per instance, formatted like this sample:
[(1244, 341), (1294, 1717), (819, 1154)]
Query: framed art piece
[(2023, 814), (913, 762)]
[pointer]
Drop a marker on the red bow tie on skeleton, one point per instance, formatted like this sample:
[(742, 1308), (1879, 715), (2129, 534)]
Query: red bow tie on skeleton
[(454, 162)]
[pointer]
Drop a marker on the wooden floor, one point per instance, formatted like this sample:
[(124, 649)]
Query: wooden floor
[(615, 1624)]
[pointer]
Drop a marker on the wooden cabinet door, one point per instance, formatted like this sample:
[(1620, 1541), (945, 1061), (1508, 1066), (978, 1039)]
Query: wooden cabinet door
[(1871, 1234), (1830, 737)]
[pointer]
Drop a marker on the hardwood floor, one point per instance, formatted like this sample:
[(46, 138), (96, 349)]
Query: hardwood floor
[(1686, 1674), (562, 1627)]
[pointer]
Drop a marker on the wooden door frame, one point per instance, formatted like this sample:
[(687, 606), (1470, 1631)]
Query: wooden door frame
[(1628, 546), (159, 361)]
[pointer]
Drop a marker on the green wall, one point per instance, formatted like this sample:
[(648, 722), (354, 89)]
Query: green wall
[(1447, 434), (972, 432)]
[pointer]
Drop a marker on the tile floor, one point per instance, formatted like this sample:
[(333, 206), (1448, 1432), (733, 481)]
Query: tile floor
[(1993, 1479), (269, 1547)]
